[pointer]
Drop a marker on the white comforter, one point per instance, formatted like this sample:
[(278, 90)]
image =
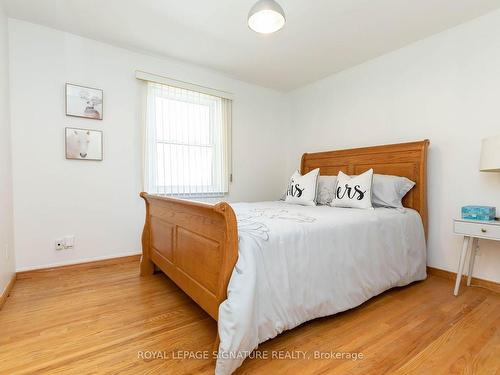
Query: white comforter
[(298, 263)]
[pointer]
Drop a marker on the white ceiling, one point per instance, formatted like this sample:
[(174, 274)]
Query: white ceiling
[(321, 37)]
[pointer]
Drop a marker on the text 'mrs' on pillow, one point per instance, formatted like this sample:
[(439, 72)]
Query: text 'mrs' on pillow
[(302, 189), (354, 192)]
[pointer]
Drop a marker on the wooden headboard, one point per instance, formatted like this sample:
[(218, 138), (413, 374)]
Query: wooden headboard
[(402, 159)]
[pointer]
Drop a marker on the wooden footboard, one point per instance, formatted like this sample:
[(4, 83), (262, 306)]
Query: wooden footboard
[(195, 244)]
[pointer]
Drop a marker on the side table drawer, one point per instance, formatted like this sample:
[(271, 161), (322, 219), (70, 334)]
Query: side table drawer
[(477, 229)]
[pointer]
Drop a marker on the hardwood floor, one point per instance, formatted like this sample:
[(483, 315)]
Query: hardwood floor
[(108, 320)]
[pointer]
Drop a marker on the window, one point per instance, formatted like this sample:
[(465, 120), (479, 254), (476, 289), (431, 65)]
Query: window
[(187, 142)]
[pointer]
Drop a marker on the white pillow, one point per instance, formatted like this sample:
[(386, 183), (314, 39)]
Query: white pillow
[(354, 192), (388, 191), (326, 189), (302, 189)]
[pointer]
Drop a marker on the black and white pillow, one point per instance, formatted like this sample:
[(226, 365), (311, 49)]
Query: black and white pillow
[(326, 189), (354, 192), (302, 189)]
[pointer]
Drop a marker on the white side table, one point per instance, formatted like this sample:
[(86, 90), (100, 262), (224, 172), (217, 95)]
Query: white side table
[(473, 230)]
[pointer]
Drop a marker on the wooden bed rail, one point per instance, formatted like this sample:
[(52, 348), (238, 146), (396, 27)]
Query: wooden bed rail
[(195, 244)]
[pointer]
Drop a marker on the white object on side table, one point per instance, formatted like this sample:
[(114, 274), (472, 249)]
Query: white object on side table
[(473, 230)]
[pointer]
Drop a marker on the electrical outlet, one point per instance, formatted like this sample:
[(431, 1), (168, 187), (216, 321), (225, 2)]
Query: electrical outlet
[(69, 242), (59, 245), (6, 251), (64, 243)]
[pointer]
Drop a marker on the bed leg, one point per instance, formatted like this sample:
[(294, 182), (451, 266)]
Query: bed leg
[(147, 267), (215, 345)]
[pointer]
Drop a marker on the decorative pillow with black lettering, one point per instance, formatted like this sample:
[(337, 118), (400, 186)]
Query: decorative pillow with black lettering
[(302, 189), (354, 192)]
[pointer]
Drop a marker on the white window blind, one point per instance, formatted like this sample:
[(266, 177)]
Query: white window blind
[(187, 137)]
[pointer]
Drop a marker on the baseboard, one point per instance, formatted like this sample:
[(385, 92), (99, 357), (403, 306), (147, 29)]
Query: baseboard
[(7, 290), (77, 261), (79, 266), (491, 285)]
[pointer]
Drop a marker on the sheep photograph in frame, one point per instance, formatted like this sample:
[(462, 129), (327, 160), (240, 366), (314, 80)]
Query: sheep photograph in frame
[(85, 102), (83, 144)]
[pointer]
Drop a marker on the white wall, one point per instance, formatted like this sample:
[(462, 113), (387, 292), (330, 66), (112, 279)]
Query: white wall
[(98, 201), (445, 88), (6, 233)]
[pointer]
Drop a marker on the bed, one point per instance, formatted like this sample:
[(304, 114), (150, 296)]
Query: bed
[(249, 265)]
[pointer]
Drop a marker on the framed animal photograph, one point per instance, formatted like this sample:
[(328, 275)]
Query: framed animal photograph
[(83, 144), (84, 101)]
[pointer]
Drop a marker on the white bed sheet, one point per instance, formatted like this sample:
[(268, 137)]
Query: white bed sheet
[(298, 263)]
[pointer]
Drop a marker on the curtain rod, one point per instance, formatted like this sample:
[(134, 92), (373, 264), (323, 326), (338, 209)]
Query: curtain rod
[(144, 76)]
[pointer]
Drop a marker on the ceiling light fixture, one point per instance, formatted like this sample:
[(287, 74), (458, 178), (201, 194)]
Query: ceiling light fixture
[(266, 17)]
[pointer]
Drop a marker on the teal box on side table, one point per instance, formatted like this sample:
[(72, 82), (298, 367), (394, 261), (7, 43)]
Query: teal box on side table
[(483, 213)]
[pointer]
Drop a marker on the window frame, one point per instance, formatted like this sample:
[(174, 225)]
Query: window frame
[(215, 189)]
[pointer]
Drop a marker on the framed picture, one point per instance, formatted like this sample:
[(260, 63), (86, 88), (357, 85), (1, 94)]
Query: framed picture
[(84, 101), (83, 144)]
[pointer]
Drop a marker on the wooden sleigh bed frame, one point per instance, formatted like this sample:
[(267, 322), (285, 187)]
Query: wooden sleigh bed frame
[(196, 244)]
